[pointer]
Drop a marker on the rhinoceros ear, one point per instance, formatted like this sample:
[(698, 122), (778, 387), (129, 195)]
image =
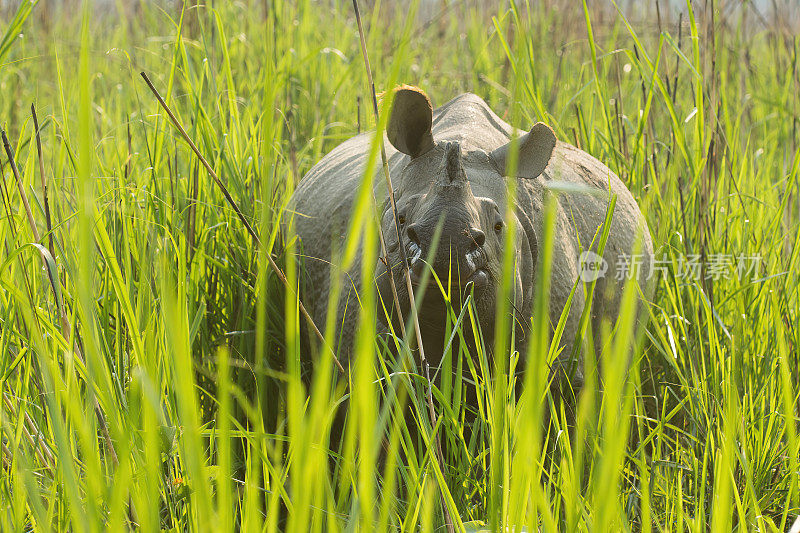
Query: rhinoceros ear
[(409, 128), (535, 149)]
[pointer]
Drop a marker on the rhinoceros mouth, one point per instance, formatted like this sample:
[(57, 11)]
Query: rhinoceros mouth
[(413, 253), (473, 260)]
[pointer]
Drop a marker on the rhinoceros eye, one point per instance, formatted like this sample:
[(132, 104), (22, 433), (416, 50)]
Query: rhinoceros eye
[(401, 219), (498, 227)]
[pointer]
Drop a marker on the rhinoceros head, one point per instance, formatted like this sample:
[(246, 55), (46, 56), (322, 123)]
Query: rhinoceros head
[(461, 195)]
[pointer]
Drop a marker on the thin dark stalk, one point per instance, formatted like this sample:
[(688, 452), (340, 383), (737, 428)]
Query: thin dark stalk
[(241, 216), (190, 226), (53, 278), (6, 197), (130, 152), (385, 164), (45, 196), (401, 248), (20, 186), (358, 114), (101, 419)]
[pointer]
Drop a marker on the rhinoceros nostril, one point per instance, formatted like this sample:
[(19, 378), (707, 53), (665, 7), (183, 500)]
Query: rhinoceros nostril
[(412, 233), (413, 248), (478, 238)]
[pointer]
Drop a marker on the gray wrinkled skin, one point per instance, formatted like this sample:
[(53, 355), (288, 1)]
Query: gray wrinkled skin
[(458, 184)]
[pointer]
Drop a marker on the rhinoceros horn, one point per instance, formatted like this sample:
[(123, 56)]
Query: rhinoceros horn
[(409, 128), (535, 149), (454, 171)]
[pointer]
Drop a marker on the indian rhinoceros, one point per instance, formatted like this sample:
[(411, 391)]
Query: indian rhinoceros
[(448, 168)]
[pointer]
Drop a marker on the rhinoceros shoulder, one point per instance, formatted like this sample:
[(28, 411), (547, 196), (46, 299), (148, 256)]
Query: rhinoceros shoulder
[(587, 211), (569, 163)]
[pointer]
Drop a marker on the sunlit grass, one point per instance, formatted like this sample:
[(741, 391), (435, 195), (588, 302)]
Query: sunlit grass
[(151, 368)]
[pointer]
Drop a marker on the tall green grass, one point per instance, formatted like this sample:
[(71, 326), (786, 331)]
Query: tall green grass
[(151, 370)]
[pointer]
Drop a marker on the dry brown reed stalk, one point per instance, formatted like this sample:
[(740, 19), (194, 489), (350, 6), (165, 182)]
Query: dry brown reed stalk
[(7, 456), (384, 162), (32, 434), (274, 266), (407, 274)]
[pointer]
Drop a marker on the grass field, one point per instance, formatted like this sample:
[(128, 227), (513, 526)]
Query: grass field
[(150, 372)]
